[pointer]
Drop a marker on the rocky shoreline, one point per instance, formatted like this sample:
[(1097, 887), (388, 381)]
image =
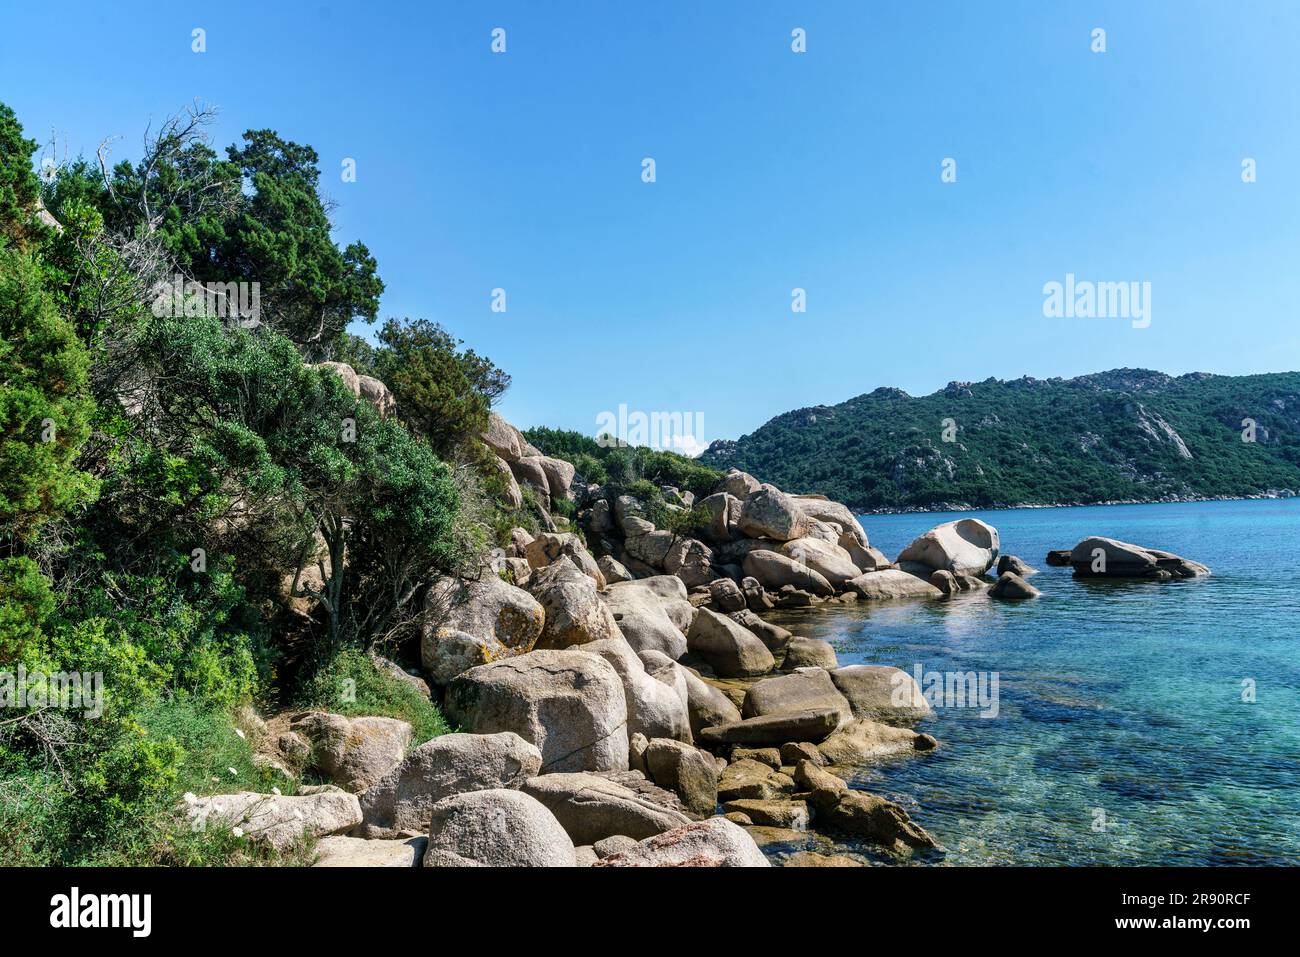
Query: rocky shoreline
[(622, 702)]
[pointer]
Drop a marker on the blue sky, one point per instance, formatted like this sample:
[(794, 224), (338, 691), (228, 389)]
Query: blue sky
[(775, 170)]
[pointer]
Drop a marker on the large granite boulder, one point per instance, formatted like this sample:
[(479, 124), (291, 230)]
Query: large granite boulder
[(809, 653), (502, 438), (738, 484), (686, 770), (341, 851), (774, 636), (770, 513), (550, 547), (654, 708), (716, 842), (574, 612), (691, 561), (774, 571), (1098, 557), (824, 557), (569, 704), (891, 583), (353, 753), (881, 693), (823, 509), (400, 803), (448, 652), (862, 740), (776, 729), (967, 546), (731, 650), (528, 471), (592, 808), (643, 618), (559, 477), (379, 396), (724, 511), (650, 547), (496, 828), (803, 690), (514, 498), (279, 821), (487, 608), (706, 705)]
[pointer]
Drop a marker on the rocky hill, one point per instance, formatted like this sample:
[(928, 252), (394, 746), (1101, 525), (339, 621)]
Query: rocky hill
[(1122, 435)]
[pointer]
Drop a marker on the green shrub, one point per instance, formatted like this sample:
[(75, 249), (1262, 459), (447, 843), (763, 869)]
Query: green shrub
[(350, 684)]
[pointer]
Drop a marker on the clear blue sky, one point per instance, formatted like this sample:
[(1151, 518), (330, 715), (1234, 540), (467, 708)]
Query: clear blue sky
[(775, 170)]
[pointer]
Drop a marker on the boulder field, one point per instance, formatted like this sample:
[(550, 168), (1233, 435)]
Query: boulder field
[(621, 701)]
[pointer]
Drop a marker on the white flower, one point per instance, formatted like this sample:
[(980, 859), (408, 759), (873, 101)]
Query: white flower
[(237, 831)]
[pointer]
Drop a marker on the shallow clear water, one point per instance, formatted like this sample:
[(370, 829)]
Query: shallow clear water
[(1117, 698)]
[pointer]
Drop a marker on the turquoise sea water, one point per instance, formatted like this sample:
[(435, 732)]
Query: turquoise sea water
[(1115, 698)]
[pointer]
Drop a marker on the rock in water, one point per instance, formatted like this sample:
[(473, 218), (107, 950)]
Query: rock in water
[(776, 729), (809, 689), (774, 571), (892, 583), (1098, 557), (864, 739), (1010, 563), (881, 693), (809, 653), (967, 546), (1011, 587), (496, 828)]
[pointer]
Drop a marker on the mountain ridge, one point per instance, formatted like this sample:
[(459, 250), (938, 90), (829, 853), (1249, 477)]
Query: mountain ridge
[(1120, 435)]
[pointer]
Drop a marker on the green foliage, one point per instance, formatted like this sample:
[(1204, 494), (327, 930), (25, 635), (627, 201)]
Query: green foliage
[(281, 238), (19, 188), (219, 464), (25, 602), (349, 683), (44, 411), (1092, 439), (624, 464), (442, 392)]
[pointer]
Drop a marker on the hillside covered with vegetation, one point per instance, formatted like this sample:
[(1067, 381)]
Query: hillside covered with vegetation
[(1124, 435), (192, 509)]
